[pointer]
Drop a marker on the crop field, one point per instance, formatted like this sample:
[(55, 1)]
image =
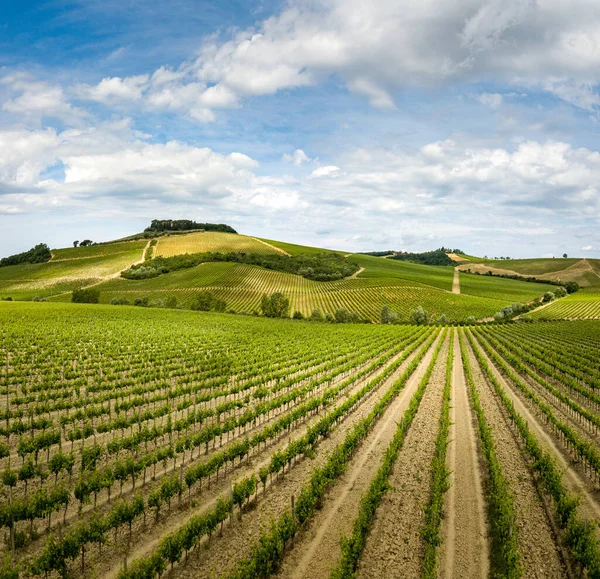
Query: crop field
[(510, 289), (242, 287), (582, 305), (138, 442), (206, 241), (69, 269)]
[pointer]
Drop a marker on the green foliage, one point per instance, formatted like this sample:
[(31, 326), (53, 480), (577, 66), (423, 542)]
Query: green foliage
[(419, 316), (186, 225), (38, 254), (317, 267), (206, 301), (437, 257), (275, 306), (85, 296)]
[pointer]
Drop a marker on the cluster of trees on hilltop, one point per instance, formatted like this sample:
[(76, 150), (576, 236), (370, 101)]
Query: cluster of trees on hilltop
[(187, 225), (38, 254), (437, 257), (318, 267)]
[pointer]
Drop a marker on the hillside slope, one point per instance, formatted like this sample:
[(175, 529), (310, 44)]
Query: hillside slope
[(402, 286)]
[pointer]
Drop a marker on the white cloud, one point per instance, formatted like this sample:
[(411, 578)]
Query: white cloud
[(379, 47), (327, 171), (587, 248), (115, 89), (34, 99), (492, 100), (298, 157)]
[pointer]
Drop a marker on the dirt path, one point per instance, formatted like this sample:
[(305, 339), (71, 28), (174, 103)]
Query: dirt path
[(357, 273), (541, 555), (466, 544), (456, 282), (278, 249), (576, 482), (318, 549), (239, 538), (395, 547)]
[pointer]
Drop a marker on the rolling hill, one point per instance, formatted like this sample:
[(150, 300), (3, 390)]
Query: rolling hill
[(401, 285)]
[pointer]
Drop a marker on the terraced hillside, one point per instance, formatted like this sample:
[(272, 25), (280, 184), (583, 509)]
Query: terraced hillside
[(136, 441)]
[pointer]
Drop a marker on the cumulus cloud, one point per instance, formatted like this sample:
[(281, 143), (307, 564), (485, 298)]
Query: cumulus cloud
[(587, 248), (327, 171), (492, 100), (115, 89), (378, 47), (297, 158)]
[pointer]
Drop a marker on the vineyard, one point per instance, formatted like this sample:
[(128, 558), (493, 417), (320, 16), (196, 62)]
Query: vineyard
[(142, 442), (242, 287), (583, 305), (207, 241)]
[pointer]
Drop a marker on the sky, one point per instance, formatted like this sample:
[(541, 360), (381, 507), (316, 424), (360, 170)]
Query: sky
[(392, 124)]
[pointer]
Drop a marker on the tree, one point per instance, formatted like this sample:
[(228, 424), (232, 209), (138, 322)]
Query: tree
[(548, 297), (419, 316), (206, 301), (316, 316), (572, 287), (298, 315), (565, 255), (85, 296), (387, 316), (560, 292), (86, 243), (75, 243), (275, 306)]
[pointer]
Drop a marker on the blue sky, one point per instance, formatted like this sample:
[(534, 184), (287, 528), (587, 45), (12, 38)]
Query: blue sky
[(360, 126)]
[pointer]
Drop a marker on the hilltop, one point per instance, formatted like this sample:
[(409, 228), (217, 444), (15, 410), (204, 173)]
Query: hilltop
[(168, 265)]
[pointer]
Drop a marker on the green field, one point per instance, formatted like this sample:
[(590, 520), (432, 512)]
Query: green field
[(379, 267), (294, 249), (209, 241), (537, 266), (492, 287), (585, 304), (71, 268)]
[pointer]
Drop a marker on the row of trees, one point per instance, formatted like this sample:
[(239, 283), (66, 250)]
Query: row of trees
[(187, 225), (318, 267), (38, 254)]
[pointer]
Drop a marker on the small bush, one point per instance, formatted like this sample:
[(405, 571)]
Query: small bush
[(85, 296), (120, 301)]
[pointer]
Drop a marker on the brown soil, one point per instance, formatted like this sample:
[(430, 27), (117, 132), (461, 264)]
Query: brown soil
[(573, 475), (395, 547), (318, 549), (466, 545), (540, 554), (239, 538), (457, 258), (456, 282)]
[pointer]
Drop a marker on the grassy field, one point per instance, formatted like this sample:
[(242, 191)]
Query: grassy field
[(294, 249), (202, 242), (492, 287), (71, 268), (141, 442), (378, 267), (533, 267)]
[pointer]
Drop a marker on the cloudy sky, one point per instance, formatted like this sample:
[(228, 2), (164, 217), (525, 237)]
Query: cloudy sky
[(402, 124)]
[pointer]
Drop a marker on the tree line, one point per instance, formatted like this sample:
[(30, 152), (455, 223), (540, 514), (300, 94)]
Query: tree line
[(38, 254), (187, 225), (319, 267)]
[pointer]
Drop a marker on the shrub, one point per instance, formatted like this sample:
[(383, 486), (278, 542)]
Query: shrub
[(142, 302), (39, 299), (298, 315), (316, 316), (419, 316), (85, 296), (206, 301), (548, 297), (560, 292), (275, 306), (120, 301)]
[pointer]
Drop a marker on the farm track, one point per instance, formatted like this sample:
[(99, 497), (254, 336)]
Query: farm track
[(395, 546), (317, 549), (537, 541), (238, 540), (456, 281), (466, 543), (574, 476)]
